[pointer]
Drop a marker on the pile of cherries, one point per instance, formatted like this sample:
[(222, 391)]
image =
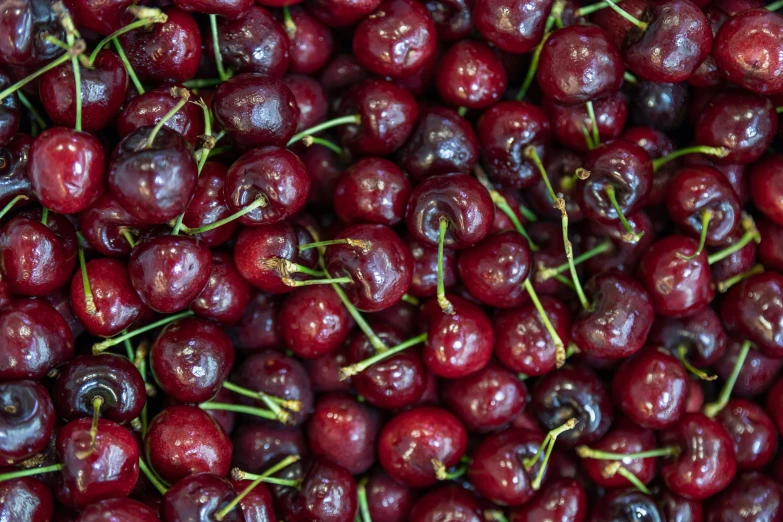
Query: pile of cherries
[(391, 260)]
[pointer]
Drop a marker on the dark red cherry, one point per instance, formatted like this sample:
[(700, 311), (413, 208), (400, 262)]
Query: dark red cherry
[(95, 470), (327, 492), (27, 499), (449, 502), (118, 509), (254, 43), (387, 499), (257, 329), (387, 114), (208, 206), (169, 272), (14, 180), (396, 39), (372, 190), (226, 295), (756, 374), (679, 509), (182, 440), (111, 377), (314, 321), (311, 98), (231, 9), (168, 52), (148, 109), (9, 111), (623, 256), (737, 262), (411, 440), (771, 246), (569, 122), (578, 64), (573, 392), (37, 258), (258, 504), (27, 420), (752, 430), (198, 498), (257, 247), (701, 336), (324, 372), (98, 16), (706, 462), (766, 184), (311, 42), (324, 167), (753, 495), (560, 167), (615, 24), (659, 105), (505, 131), (562, 500), (752, 309), (677, 286), (260, 445), (30, 21), (470, 75), (425, 268), (153, 181), (515, 27), (104, 89), (453, 18), (103, 225), (627, 504), (341, 13), (742, 51), (626, 438)]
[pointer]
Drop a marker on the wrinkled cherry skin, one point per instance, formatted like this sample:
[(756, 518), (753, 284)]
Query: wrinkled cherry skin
[(515, 27), (111, 377), (701, 334), (410, 440), (327, 493), (116, 509), (154, 183), (766, 184), (425, 268), (741, 122), (625, 438), (651, 388), (27, 499), (27, 420), (677, 287), (504, 131), (148, 109), (37, 259), (183, 263), (117, 305), (441, 143), (101, 224), (313, 321), (706, 464), (341, 13), (182, 440), (562, 500), (169, 52), (619, 319), (275, 173), (448, 502), (752, 430), (494, 270), (568, 120), (372, 190), (111, 470), (388, 500), (624, 256), (573, 392), (756, 375), (755, 495), (626, 504), (251, 123), (753, 309), (254, 43), (231, 9), (104, 89), (226, 295), (470, 75), (578, 64), (741, 51), (34, 339), (29, 21), (198, 497)]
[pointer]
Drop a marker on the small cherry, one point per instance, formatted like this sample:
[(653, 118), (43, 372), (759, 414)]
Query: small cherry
[(387, 499), (27, 419), (698, 340), (372, 190), (453, 18), (109, 228), (662, 106), (513, 27), (626, 504), (756, 373), (254, 43), (571, 123), (313, 103), (260, 445), (226, 295), (149, 108), (620, 255), (425, 268), (311, 41), (470, 75), (751, 308)]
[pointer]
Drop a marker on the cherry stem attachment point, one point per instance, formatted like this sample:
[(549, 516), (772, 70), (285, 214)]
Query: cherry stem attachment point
[(411, 300), (632, 236), (720, 152), (309, 141), (97, 403), (723, 286), (288, 23), (713, 408), (351, 119), (494, 515), (444, 303), (560, 352), (220, 515), (549, 443), (441, 473), (354, 369), (706, 217), (681, 353), (45, 216), (89, 301), (113, 341)]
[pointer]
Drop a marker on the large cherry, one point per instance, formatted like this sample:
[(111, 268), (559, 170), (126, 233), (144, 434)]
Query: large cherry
[(752, 430), (98, 15), (314, 321), (26, 419), (569, 122), (449, 502), (626, 438), (226, 295), (752, 308), (757, 373), (254, 43), (30, 22), (311, 43), (470, 75), (326, 492), (755, 493), (260, 445), (107, 226), (372, 190), (27, 499), (118, 509), (700, 337), (515, 27)]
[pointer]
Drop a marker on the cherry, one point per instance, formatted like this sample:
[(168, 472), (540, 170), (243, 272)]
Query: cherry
[(512, 27), (231, 9), (108, 227), (659, 105), (30, 22), (387, 499), (752, 309), (625, 439), (27, 420), (622, 255), (26, 498), (449, 502), (560, 171), (113, 304), (766, 183), (168, 52), (226, 295), (258, 504), (257, 328), (34, 338), (111, 378), (753, 432), (261, 445), (236, 111), (314, 322), (324, 167), (149, 108), (573, 392), (700, 337), (311, 42), (342, 13), (97, 467), (169, 272), (626, 504), (452, 18), (260, 253), (413, 443), (386, 114), (182, 440), (741, 42), (312, 500), (569, 122), (679, 509), (199, 497), (425, 268), (616, 25), (324, 372), (311, 99), (756, 374), (100, 17), (14, 180), (750, 492), (562, 500), (505, 131), (104, 87), (253, 43), (678, 283), (118, 509), (769, 248), (372, 190), (470, 75)]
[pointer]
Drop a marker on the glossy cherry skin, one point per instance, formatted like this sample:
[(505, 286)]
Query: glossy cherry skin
[(619, 319), (27, 499), (387, 499), (740, 44), (751, 493), (117, 509), (578, 64), (702, 335), (169, 52), (256, 245), (254, 43), (34, 339), (625, 438), (410, 440), (562, 500), (148, 109), (208, 206), (504, 131), (37, 259), (111, 377), (679, 509), (27, 420), (327, 493), (154, 184), (311, 98), (275, 374), (117, 305), (515, 27), (756, 375), (626, 504), (494, 270), (453, 18), (10, 116), (470, 75), (677, 287), (341, 13), (13, 173), (182, 262), (257, 328), (30, 22), (231, 9), (752, 430), (372, 190), (573, 392), (110, 470), (752, 308), (623, 256), (617, 26), (197, 498), (235, 104), (311, 45), (313, 321), (741, 122), (448, 502), (182, 440), (259, 446), (568, 120), (766, 182), (659, 105), (425, 268), (706, 463), (258, 505), (226, 294), (101, 225), (770, 251)]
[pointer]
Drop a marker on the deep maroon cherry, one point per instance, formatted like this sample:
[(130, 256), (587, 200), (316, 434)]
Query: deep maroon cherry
[(754, 493), (254, 43), (562, 500), (372, 190), (112, 378), (425, 268), (470, 75), (313, 321), (311, 42), (28, 499), (752, 430), (311, 98), (626, 438), (198, 498), (341, 13), (30, 22), (105, 225), (753, 310), (569, 122), (259, 251), (627, 504), (757, 373), (771, 246), (230, 9), (258, 504), (616, 25), (118, 509), (149, 108), (208, 206), (623, 256), (738, 262), (27, 419), (560, 169), (257, 328), (327, 492), (14, 180), (387, 499), (766, 185), (449, 502), (324, 372), (701, 337), (260, 445), (659, 105), (226, 295), (97, 15), (515, 27)]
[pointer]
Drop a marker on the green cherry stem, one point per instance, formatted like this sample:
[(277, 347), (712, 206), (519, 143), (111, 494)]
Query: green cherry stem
[(612, 195), (259, 202), (502, 204), (494, 515), (706, 217), (723, 286), (701, 374), (77, 49), (152, 477), (128, 67), (183, 95), (288, 23), (619, 469), (588, 139), (309, 141), (220, 515), (216, 48), (593, 123), (356, 368), (158, 18), (589, 453), (622, 12), (751, 234), (113, 341), (630, 78), (549, 442), (357, 243), (527, 213), (89, 300), (441, 473), (45, 216), (592, 8), (310, 282), (11, 204), (411, 300), (364, 507), (713, 408), (560, 352), (31, 108), (774, 6), (351, 119), (719, 152), (531, 70), (599, 249), (275, 404), (201, 83), (444, 303), (29, 472), (239, 408)]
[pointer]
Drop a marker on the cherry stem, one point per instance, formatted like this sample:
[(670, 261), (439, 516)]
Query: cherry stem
[(29, 472), (220, 515), (495, 515), (723, 286), (216, 48), (285, 268), (411, 300), (200, 83), (354, 369), (309, 282), (158, 18), (592, 8), (128, 67), (720, 152), (549, 442), (445, 305), (589, 453), (152, 477), (126, 233), (358, 243), (622, 12), (564, 280), (547, 273), (531, 70), (633, 237), (628, 475), (315, 140), (89, 301), (706, 217), (357, 316), (97, 402), (527, 213), (289, 483), (779, 110), (560, 353), (441, 473), (751, 234), (273, 403), (108, 343), (76, 50), (11, 204), (555, 16), (502, 204), (630, 78), (77, 84), (774, 6), (183, 95), (259, 202), (288, 23), (351, 119), (713, 408), (588, 139), (364, 507), (31, 108), (44, 216), (701, 374), (593, 123), (239, 408)]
